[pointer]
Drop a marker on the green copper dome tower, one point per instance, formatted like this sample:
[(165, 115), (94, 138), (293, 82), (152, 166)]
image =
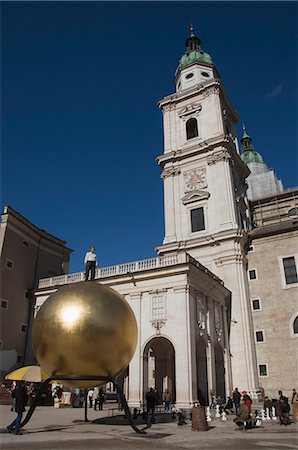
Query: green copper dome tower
[(262, 182), (249, 155), (195, 65)]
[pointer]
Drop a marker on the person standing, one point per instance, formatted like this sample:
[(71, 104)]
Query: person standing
[(151, 401), (95, 397), (90, 397), (236, 399), (101, 399), (90, 264), (247, 400), (294, 397), (166, 398), (20, 395)]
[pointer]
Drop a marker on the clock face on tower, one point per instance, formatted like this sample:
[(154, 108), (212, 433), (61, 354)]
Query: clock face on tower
[(195, 179)]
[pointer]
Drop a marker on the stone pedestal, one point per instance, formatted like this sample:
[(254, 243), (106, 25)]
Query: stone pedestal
[(199, 422)]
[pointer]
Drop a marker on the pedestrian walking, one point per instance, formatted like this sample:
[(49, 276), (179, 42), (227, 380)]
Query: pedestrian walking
[(151, 401), (20, 395)]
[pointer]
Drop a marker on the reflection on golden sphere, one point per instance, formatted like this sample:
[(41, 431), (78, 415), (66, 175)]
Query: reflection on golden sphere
[(84, 329)]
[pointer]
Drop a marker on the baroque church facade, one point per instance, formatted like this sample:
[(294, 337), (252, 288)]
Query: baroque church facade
[(193, 302)]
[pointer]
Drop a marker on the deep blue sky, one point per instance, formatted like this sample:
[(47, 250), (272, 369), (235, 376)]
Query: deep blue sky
[(80, 125)]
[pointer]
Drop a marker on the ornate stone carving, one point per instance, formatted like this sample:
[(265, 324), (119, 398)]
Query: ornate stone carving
[(220, 155), (195, 179), (169, 107), (158, 324), (192, 109), (171, 171), (211, 90)]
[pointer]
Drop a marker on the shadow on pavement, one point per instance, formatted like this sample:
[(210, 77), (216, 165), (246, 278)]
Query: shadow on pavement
[(121, 420)]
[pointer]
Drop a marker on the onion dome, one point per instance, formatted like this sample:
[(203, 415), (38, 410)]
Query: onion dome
[(193, 53), (249, 154)]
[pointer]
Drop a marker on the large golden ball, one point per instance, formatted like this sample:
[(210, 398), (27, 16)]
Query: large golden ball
[(84, 329)]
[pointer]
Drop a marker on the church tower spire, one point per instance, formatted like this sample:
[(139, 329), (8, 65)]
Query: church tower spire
[(205, 202), (195, 65), (192, 42)]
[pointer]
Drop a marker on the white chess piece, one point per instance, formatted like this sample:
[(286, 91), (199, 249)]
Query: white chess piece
[(273, 413), (208, 415), (263, 414), (217, 413), (267, 414), (258, 422), (223, 417)]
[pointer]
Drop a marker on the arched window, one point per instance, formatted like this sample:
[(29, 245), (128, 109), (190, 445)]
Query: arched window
[(191, 128), (293, 211), (295, 325)]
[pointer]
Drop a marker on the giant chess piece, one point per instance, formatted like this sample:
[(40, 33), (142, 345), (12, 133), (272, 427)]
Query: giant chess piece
[(84, 329)]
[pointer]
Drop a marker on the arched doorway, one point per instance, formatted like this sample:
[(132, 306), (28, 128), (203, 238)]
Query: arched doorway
[(159, 367), (202, 375), (219, 371)]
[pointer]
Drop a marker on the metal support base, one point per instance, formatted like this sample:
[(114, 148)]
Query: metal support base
[(43, 385)]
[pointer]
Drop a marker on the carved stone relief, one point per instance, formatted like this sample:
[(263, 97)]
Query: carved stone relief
[(220, 155), (211, 90), (171, 171), (192, 109)]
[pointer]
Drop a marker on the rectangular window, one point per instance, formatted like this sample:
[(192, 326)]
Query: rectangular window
[(19, 358), (197, 219), (290, 270), (9, 264), (23, 328), (256, 304), (259, 336), (263, 370), (252, 274), (4, 303), (158, 307)]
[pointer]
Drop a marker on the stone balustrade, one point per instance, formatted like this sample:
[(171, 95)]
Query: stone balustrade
[(103, 272)]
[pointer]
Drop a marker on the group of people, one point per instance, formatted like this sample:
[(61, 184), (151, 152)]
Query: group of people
[(152, 401), (282, 406), (96, 398)]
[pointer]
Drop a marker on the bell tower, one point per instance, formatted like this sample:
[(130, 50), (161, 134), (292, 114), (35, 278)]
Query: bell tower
[(205, 203)]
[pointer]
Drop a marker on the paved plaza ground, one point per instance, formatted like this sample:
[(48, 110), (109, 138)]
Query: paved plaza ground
[(55, 429)]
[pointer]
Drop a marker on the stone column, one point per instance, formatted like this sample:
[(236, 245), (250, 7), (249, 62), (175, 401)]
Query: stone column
[(135, 366), (227, 355), (183, 356), (210, 348)]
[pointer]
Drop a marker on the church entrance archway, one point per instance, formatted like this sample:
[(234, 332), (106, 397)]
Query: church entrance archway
[(219, 371), (202, 375), (159, 367)]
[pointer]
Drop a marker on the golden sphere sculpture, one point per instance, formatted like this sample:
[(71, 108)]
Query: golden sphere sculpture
[(84, 329)]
